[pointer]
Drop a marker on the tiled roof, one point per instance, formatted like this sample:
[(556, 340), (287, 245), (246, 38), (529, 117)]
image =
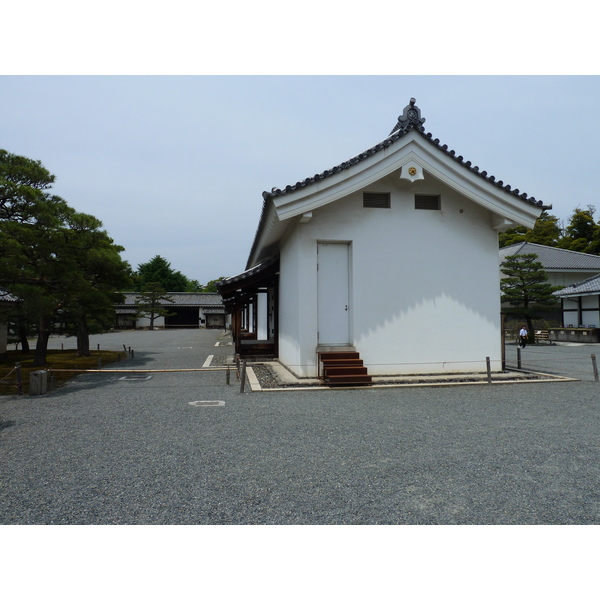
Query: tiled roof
[(182, 299), (409, 120), (248, 273), (7, 297), (554, 258), (588, 286)]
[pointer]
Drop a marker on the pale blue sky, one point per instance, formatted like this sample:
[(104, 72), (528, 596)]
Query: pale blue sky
[(176, 165)]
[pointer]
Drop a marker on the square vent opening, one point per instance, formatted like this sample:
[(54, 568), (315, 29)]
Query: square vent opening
[(427, 202), (376, 200)]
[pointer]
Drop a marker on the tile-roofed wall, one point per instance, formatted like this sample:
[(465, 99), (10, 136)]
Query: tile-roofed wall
[(588, 286), (182, 299), (554, 258)]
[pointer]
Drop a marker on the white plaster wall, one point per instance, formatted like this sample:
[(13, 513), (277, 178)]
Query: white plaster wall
[(3, 337), (424, 284), (261, 317), (566, 278), (145, 322), (297, 303)]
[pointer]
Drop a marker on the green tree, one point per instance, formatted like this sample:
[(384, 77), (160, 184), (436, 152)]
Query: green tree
[(52, 255), (582, 234), (23, 185), (151, 302), (211, 286), (101, 272), (159, 270), (546, 232), (526, 288)]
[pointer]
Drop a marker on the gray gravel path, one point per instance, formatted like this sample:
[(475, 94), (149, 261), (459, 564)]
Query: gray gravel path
[(105, 451)]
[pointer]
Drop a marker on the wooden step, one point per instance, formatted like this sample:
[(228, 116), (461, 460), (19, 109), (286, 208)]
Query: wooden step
[(349, 370), (344, 369), (335, 364), (348, 380), (337, 355)]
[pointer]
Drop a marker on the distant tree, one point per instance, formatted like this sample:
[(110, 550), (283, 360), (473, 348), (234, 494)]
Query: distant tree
[(582, 234), (193, 285), (211, 286), (159, 270), (151, 302), (526, 288), (546, 232)]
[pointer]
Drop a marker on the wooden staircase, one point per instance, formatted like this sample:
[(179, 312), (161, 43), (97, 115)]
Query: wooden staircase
[(344, 369)]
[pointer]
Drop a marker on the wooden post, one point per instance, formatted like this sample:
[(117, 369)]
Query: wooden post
[(19, 378), (518, 358), (596, 378), (489, 369), (51, 380), (228, 376), (503, 325), (243, 377)]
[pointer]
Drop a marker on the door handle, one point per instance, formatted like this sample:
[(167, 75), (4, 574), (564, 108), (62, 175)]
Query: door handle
[(346, 307)]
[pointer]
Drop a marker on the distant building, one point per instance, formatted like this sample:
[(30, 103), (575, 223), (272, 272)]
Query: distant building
[(581, 304), (6, 302), (563, 267), (191, 310)]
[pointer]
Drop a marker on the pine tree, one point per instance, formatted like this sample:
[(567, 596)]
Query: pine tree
[(526, 288), (151, 302)]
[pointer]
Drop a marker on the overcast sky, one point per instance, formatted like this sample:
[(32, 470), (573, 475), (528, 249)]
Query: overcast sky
[(176, 165)]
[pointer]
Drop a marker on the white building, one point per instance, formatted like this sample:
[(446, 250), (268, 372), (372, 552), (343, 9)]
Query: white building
[(393, 253), (7, 302), (580, 311)]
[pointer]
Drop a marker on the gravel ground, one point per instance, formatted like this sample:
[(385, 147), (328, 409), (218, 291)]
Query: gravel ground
[(103, 450)]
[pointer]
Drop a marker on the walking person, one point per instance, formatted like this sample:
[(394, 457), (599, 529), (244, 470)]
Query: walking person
[(523, 337)]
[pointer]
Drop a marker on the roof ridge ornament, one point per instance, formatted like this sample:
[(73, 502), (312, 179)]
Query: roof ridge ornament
[(411, 117)]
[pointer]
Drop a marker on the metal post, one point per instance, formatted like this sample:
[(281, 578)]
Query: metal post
[(489, 369), (518, 358), (243, 377), (596, 378), (19, 378)]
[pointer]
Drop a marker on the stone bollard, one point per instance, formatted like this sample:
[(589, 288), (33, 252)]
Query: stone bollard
[(38, 383)]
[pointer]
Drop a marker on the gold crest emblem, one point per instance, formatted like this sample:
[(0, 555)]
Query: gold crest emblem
[(412, 171)]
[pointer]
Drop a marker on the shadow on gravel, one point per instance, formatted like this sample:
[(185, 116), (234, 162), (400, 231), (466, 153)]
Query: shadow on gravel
[(102, 378), (7, 424)]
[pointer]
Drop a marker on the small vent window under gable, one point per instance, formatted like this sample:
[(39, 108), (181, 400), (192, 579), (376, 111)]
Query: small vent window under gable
[(376, 200), (427, 202)]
